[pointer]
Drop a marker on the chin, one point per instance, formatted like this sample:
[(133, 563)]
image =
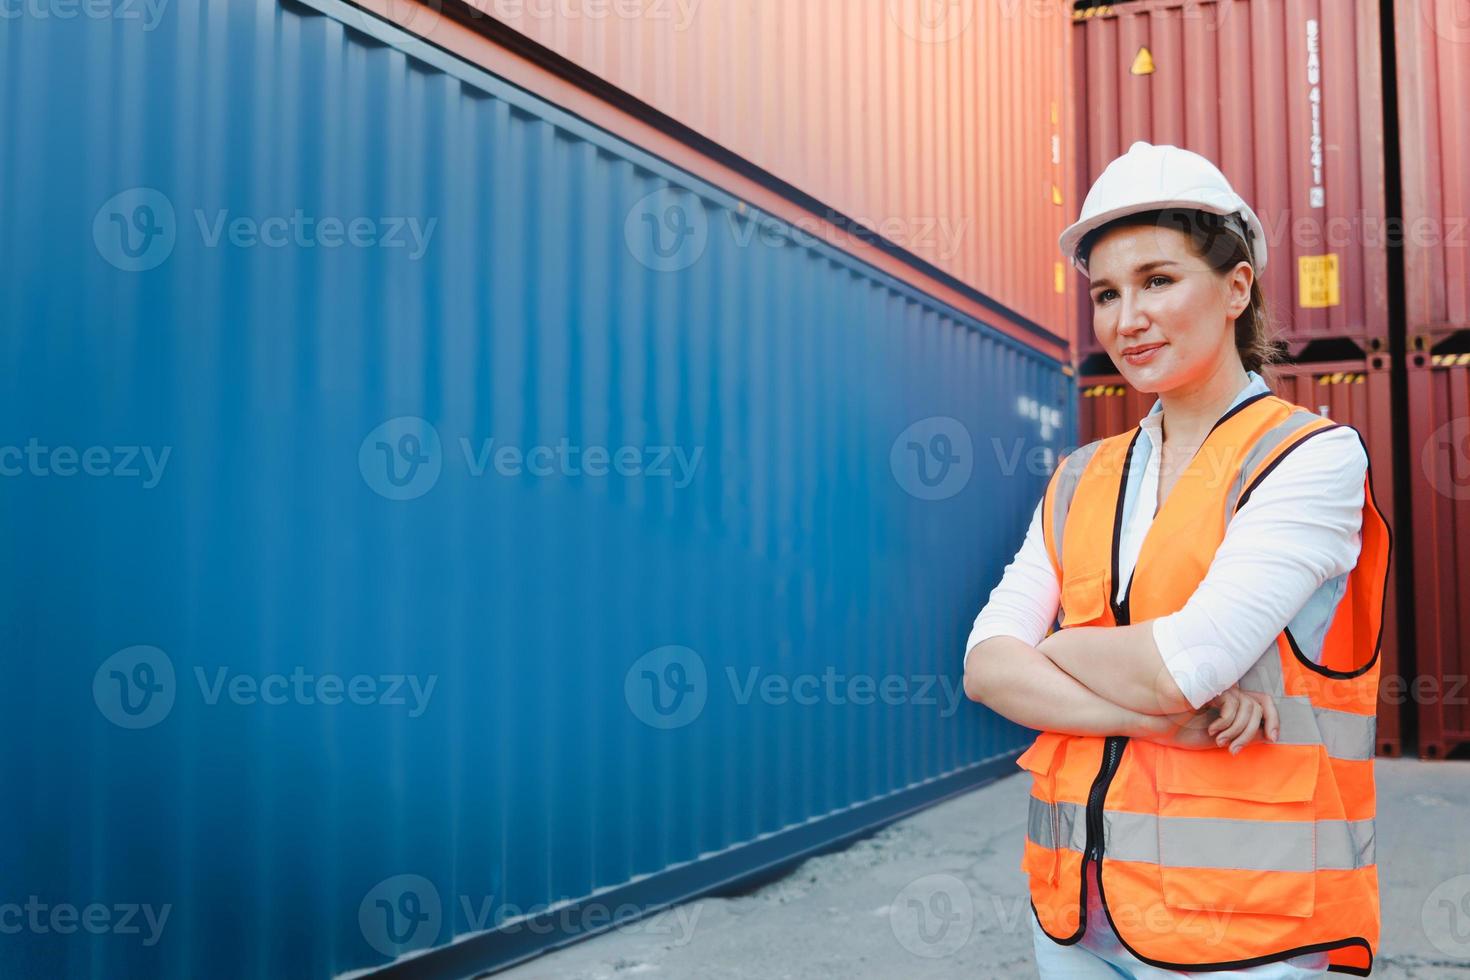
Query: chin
[(1150, 378)]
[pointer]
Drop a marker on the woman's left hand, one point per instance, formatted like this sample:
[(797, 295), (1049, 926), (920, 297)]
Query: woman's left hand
[(1242, 715)]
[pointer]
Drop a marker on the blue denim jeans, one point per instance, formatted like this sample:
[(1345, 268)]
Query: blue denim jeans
[(1098, 955)]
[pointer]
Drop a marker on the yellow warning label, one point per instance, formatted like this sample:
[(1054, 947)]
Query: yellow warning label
[(1143, 62), (1056, 194), (1061, 278), (1318, 278)]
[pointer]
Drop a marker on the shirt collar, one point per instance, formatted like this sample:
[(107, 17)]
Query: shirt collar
[(1254, 385)]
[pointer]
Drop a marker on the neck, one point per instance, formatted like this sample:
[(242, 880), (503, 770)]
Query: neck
[(1192, 409)]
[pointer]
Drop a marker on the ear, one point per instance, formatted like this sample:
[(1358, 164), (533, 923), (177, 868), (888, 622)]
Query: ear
[(1238, 288)]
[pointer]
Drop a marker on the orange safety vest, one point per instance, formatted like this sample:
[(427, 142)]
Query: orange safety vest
[(1213, 861)]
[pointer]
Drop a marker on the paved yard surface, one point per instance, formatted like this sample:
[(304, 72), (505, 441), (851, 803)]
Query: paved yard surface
[(852, 915)]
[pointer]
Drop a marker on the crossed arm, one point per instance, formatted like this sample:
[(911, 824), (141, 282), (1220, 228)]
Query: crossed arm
[(1106, 681)]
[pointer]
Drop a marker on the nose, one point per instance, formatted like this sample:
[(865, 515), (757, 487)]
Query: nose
[(1131, 318)]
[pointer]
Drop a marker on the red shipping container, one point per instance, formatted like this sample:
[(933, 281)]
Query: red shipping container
[(1353, 392), (1285, 97), (1438, 464), (1433, 43), (941, 127)]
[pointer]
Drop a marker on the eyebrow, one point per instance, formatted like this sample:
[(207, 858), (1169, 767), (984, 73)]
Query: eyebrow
[(1146, 267)]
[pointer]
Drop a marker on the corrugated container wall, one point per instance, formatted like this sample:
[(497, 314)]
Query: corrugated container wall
[(421, 507), (1284, 96), (1434, 138), (941, 126), (1438, 463), (1352, 392)]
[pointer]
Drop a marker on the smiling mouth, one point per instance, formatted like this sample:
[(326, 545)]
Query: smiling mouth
[(1142, 355)]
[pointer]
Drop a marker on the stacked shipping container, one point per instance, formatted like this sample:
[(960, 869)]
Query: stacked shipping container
[(313, 266), (1433, 93), (1285, 96), (938, 125), (1210, 75)]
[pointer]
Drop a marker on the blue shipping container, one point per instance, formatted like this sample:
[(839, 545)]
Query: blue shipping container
[(422, 509)]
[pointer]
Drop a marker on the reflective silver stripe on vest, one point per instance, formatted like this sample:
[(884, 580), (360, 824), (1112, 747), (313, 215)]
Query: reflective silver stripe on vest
[(1209, 842), (1268, 442), (1346, 735), (1067, 480)]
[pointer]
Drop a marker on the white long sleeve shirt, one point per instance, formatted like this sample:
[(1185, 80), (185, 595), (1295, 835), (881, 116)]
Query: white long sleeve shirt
[(1284, 561)]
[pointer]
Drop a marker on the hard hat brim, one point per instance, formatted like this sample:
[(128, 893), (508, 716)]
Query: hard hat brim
[(1074, 234)]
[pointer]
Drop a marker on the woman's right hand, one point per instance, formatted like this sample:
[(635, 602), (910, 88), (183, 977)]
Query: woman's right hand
[(1232, 718), (1241, 716)]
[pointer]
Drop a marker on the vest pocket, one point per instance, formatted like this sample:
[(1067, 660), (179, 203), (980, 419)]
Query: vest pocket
[(1084, 598), (1041, 857), (1238, 833)]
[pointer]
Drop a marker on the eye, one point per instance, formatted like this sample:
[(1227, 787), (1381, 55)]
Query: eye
[(1102, 297), (1153, 279)]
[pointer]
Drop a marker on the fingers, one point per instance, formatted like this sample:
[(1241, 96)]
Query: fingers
[(1271, 721), (1252, 712), (1241, 718), (1229, 706)]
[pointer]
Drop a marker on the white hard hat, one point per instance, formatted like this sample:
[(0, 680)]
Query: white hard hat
[(1150, 177)]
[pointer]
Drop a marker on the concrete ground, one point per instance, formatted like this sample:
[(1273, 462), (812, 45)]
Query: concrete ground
[(856, 914)]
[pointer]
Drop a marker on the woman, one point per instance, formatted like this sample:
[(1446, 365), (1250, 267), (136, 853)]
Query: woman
[(1202, 793)]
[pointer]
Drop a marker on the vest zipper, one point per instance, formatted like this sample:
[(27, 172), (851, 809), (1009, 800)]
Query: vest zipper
[(1112, 755), (1112, 748)]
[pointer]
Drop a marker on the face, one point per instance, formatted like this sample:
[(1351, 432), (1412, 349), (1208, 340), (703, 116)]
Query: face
[(1163, 315)]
